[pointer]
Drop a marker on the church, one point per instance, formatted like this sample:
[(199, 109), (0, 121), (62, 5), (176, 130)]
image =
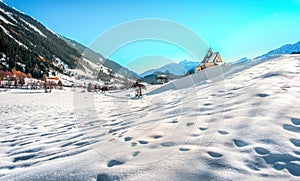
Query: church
[(211, 59)]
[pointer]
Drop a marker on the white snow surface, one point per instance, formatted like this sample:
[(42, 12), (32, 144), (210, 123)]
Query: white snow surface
[(244, 127)]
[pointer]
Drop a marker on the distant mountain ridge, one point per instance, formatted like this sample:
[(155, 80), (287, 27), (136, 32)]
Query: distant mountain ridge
[(183, 67), (188, 65), (178, 69), (285, 49), (97, 58)]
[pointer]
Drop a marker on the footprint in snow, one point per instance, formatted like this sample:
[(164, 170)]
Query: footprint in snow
[(136, 153), (103, 176), (262, 95), (167, 144), (184, 149), (281, 161), (222, 132), (189, 124), (296, 142), (239, 143), (143, 142), (112, 163), (261, 151), (291, 128), (214, 154), (127, 138), (156, 136), (202, 129), (295, 121)]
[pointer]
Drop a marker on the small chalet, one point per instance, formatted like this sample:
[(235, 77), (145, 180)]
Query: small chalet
[(162, 79), (211, 59)]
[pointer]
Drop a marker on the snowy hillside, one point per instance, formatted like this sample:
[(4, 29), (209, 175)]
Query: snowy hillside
[(243, 127), (28, 39), (25, 41)]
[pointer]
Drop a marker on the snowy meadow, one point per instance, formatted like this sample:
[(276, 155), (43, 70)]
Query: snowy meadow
[(241, 125)]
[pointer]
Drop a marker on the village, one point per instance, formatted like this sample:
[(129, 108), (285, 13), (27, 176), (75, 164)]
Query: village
[(18, 80)]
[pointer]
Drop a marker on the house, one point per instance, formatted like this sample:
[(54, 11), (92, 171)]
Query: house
[(162, 79), (211, 59)]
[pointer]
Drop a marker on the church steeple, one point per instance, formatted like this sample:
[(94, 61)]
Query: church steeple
[(208, 55)]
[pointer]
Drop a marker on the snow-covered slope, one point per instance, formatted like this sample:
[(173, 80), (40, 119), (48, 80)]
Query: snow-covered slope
[(245, 127)]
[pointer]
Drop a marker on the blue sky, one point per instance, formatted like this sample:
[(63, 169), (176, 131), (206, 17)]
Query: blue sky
[(235, 28)]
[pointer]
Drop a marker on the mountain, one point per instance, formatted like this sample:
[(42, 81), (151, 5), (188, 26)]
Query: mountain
[(242, 60), (97, 58), (285, 49), (25, 41), (28, 46), (188, 65), (177, 69), (172, 68), (153, 78), (185, 66)]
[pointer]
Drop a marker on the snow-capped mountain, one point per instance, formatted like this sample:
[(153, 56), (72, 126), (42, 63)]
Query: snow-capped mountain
[(25, 41), (188, 65), (172, 68), (242, 60), (285, 49), (180, 68)]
